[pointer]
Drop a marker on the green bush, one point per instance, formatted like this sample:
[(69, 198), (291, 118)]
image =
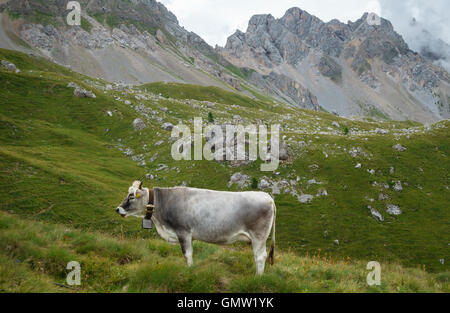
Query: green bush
[(210, 117), (254, 183), (346, 131)]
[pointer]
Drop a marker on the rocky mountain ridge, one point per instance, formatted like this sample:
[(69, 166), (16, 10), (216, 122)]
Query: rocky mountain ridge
[(363, 62)]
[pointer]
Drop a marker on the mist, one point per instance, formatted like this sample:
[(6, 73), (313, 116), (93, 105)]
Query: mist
[(424, 25)]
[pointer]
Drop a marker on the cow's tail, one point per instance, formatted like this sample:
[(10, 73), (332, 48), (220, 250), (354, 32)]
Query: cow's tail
[(272, 245)]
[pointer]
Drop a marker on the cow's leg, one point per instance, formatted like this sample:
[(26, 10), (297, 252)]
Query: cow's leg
[(186, 246), (260, 253)]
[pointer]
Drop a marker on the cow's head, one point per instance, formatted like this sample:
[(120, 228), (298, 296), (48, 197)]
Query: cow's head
[(135, 204)]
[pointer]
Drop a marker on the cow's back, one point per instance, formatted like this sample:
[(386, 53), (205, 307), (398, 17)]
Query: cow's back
[(212, 216)]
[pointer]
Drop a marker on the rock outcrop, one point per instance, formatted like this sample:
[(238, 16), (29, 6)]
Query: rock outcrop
[(330, 68), (9, 66), (167, 126), (81, 92), (376, 215), (283, 86), (240, 179), (139, 124), (393, 210), (399, 148)]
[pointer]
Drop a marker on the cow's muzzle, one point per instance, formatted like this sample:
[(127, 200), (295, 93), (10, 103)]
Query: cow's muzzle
[(121, 211)]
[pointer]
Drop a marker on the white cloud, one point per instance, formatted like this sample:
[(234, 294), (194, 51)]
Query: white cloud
[(431, 15), (431, 24)]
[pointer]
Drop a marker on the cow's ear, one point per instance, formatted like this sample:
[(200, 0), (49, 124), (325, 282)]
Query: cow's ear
[(140, 186)]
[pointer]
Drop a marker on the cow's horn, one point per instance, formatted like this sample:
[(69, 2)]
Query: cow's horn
[(142, 178)]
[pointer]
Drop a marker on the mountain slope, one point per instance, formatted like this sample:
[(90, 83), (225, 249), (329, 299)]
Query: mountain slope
[(352, 68), (121, 41)]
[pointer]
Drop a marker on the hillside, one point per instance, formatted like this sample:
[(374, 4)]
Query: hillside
[(68, 161)]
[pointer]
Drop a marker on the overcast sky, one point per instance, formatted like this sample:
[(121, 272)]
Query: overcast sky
[(215, 20)]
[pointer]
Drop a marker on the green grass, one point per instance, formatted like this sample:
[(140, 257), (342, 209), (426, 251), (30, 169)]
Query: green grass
[(243, 73), (61, 169), (43, 18), (114, 21), (13, 15), (109, 19), (372, 112), (201, 93), (86, 25), (35, 261)]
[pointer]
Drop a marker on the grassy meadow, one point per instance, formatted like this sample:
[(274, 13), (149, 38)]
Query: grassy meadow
[(66, 165)]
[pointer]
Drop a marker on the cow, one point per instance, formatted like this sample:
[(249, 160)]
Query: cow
[(182, 215)]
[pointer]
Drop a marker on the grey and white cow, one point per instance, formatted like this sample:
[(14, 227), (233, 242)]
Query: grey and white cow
[(182, 215)]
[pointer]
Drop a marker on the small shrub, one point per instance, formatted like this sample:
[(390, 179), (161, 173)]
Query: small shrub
[(346, 131), (210, 117), (254, 183)]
